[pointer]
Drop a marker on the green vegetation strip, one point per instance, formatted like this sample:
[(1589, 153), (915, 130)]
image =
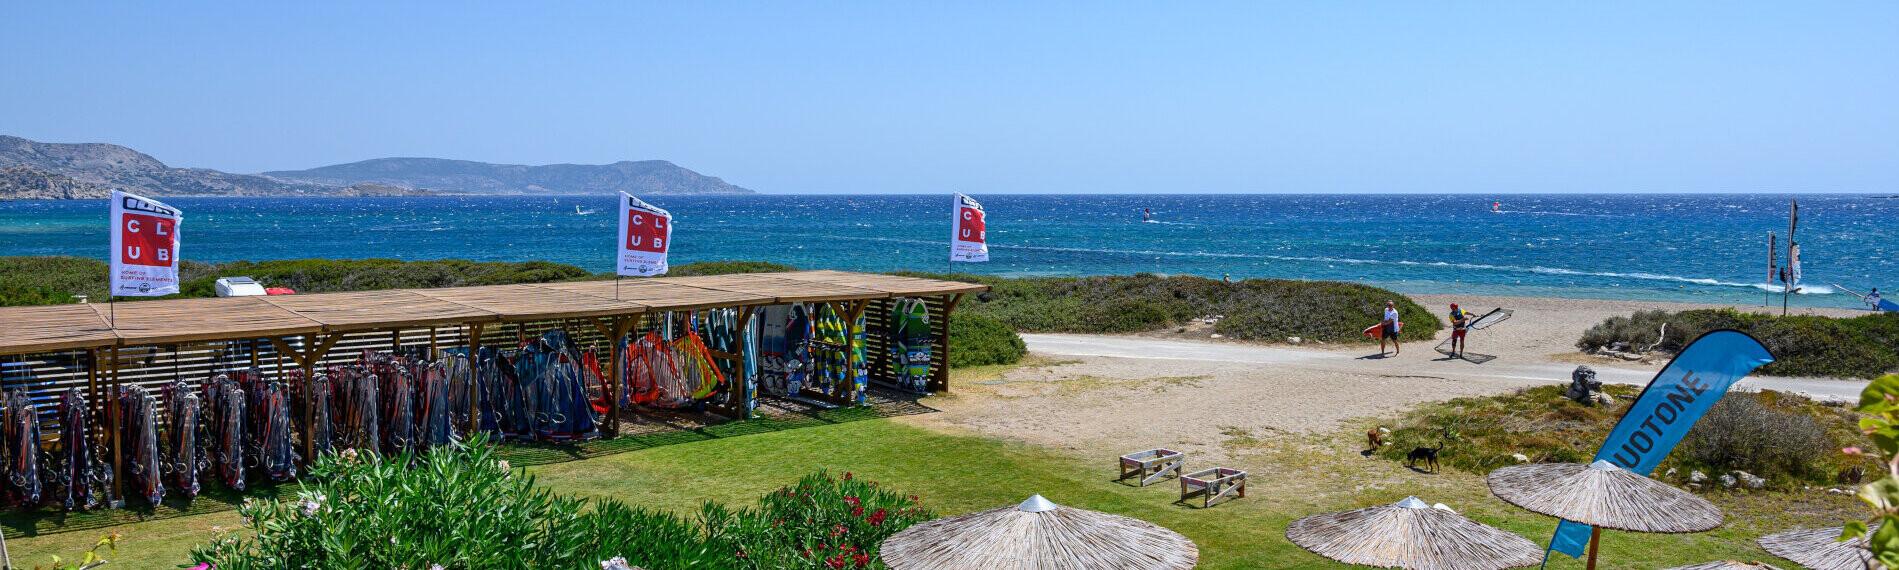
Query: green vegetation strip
[(50, 520), (1865, 346)]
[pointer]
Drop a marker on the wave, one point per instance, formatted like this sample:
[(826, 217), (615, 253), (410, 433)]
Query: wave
[(1537, 213), (1538, 269)]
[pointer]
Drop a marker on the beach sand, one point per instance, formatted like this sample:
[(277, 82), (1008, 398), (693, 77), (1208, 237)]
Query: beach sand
[(1109, 395)]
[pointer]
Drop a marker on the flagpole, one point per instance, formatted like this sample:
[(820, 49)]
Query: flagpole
[(1787, 284)]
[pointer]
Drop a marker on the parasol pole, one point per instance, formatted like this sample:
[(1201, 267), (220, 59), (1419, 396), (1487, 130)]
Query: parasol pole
[(1595, 540)]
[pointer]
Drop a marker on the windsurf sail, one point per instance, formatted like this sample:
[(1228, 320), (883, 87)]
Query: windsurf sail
[(1491, 318)]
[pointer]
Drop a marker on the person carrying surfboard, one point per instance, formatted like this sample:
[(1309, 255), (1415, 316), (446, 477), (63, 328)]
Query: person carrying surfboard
[(1872, 298), (1391, 329), (1460, 324)]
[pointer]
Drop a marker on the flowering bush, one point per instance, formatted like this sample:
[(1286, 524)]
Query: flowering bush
[(823, 522), (458, 507)]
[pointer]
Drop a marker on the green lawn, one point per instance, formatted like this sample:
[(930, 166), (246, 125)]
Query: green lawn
[(956, 473)]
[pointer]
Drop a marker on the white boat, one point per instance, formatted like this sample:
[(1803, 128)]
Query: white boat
[(582, 212)]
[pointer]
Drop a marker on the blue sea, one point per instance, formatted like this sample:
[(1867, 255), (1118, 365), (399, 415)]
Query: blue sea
[(1704, 248)]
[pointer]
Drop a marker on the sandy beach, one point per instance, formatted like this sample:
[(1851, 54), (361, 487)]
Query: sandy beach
[(1096, 394)]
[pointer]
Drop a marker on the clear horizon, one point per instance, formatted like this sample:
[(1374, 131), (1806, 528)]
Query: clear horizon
[(859, 98)]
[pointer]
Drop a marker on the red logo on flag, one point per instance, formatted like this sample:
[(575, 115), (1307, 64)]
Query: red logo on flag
[(645, 231), (971, 228), (147, 240)]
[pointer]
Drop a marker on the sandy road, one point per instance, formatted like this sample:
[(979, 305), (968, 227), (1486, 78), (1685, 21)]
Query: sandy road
[(1421, 361)]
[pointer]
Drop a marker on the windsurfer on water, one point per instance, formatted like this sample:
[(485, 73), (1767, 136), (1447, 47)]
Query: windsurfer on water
[(1147, 214), (1496, 207)]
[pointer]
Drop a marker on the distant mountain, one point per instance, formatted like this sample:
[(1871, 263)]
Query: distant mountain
[(646, 177), (104, 167), (36, 170)]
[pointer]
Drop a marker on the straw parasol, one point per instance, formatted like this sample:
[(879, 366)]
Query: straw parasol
[(1821, 549), (1726, 565), (1603, 495), (1411, 534), (1039, 534)]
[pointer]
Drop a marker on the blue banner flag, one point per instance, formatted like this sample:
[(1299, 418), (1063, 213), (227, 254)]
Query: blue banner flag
[(1672, 403)]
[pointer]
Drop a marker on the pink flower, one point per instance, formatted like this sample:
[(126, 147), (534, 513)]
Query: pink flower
[(1853, 451)]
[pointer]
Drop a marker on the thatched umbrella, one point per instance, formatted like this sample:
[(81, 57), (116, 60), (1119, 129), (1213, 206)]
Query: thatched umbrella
[(1411, 534), (1821, 549), (1039, 534), (1603, 495), (1727, 565)]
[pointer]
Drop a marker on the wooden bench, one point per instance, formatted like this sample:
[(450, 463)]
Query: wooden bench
[(1152, 465), (1213, 485)]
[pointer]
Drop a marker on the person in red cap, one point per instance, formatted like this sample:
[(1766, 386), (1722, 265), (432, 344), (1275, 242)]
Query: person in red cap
[(1460, 324)]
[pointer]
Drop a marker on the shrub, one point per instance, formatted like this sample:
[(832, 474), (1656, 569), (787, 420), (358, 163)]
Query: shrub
[(331, 275), (1803, 345), (1785, 438), (821, 522), (461, 508), (1256, 309), (1749, 434), (976, 340), (50, 280), (725, 267)]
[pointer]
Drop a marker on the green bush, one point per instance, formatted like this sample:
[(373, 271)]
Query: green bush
[(331, 275), (977, 340), (1803, 345), (461, 508), (50, 280), (1753, 435), (1254, 309), (1785, 438), (726, 267)]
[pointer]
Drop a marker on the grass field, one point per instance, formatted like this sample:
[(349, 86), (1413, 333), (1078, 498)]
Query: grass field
[(957, 473)]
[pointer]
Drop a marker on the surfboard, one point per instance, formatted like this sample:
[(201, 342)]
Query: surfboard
[(1375, 331), (910, 344)]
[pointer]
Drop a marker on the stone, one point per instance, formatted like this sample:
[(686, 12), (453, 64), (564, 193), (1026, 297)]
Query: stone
[(1520, 458), (1218, 335), (1750, 480), (1294, 340), (1670, 473), (1728, 481), (1697, 476), (1584, 388), (1838, 491)]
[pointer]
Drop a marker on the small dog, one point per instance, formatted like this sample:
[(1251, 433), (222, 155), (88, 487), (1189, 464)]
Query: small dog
[(1376, 437), (1427, 455)]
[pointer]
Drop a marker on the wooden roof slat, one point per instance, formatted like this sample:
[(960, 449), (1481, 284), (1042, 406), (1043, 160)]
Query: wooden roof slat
[(371, 310), (185, 320), (893, 284), (780, 289), (532, 302), (26, 330), (659, 296), (49, 328)]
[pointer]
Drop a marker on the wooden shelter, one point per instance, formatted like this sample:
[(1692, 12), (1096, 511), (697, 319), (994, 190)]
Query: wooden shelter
[(1822, 549), (1039, 535), (1414, 535), (1603, 495), (100, 347)]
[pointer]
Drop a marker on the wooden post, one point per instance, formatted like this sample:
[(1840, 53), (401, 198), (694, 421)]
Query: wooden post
[(433, 354), (112, 419), (939, 378), (474, 373), (1595, 538), (307, 361)]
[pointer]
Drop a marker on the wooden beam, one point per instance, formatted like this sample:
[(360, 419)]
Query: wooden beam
[(622, 326), (939, 378), (474, 375), (112, 419)]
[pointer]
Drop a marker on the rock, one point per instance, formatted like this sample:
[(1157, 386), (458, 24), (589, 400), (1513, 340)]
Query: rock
[(1838, 491), (1750, 480), (1728, 481), (1670, 473), (1604, 399), (1217, 335), (1520, 458), (1619, 346), (1294, 340), (1584, 388), (1697, 476)]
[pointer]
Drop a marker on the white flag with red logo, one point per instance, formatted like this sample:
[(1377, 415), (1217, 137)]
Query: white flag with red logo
[(144, 246), (968, 242), (645, 234)]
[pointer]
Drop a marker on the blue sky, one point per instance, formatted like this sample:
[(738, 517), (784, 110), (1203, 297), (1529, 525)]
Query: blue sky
[(876, 97)]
